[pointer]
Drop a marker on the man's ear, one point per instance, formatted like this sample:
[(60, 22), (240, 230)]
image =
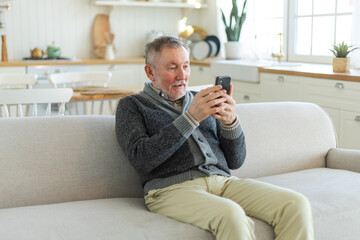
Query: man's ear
[(149, 70)]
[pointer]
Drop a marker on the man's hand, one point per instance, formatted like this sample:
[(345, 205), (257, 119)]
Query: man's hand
[(207, 102), (227, 116), (213, 102)]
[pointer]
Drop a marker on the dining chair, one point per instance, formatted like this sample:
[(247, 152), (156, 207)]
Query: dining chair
[(33, 98), (17, 80), (88, 79)]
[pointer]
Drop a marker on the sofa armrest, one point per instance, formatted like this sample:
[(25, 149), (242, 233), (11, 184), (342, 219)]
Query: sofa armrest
[(346, 159)]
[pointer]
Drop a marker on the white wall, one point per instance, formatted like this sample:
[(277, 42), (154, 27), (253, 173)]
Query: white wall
[(36, 23)]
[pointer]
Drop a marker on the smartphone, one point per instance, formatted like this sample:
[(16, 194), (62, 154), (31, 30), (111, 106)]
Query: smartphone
[(224, 81)]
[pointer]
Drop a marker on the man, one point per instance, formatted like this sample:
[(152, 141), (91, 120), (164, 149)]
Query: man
[(183, 145)]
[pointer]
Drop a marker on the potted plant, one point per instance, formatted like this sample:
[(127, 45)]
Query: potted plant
[(233, 29), (341, 63)]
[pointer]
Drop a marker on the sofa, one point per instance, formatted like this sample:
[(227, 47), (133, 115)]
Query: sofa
[(67, 177)]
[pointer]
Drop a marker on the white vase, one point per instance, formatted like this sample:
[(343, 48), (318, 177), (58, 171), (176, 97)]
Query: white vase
[(109, 53), (233, 50)]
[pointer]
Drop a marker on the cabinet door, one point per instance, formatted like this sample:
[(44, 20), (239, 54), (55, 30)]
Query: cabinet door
[(275, 87), (200, 75), (244, 92), (350, 130), (132, 75), (12, 69), (334, 114), (333, 93)]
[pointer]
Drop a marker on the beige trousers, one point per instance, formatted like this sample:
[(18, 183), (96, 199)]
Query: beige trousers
[(223, 205)]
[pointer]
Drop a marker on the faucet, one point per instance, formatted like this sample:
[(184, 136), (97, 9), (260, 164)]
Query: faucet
[(279, 55)]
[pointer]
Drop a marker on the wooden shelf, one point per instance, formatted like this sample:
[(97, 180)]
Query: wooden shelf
[(148, 4)]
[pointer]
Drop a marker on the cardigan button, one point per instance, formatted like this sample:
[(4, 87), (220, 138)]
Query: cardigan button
[(200, 139), (208, 154)]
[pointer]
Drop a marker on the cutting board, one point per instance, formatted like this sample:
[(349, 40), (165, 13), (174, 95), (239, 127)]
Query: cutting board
[(100, 27)]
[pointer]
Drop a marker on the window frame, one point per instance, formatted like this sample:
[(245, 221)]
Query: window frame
[(291, 56)]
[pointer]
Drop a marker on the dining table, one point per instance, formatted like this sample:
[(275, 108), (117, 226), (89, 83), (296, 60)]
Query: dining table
[(90, 93)]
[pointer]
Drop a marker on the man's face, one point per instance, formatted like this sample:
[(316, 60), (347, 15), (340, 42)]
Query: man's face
[(172, 71)]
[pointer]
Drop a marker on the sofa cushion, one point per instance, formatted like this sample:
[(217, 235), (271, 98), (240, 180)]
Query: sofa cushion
[(58, 159), (104, 219), (284, 137), (334, 196)]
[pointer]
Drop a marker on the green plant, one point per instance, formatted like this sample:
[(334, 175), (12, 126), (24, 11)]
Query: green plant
[(236, 21), (342, 50)]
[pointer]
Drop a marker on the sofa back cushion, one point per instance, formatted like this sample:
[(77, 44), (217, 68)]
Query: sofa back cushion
[(284, 137), (59, 159)]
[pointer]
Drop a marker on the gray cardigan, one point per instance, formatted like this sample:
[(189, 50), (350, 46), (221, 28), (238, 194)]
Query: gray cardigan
[(156, 139)]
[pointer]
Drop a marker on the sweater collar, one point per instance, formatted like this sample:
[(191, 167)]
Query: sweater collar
[(156, 94)]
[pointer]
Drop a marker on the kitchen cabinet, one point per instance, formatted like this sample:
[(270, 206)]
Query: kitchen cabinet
[(149, 4), (200, 75), (340, 99), (245, 92), (335, 94), (349, 136), (334, 114), (129, 75), (20, 69), (278, 87)]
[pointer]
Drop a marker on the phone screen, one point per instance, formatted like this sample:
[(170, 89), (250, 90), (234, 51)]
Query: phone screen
[(224, 81)]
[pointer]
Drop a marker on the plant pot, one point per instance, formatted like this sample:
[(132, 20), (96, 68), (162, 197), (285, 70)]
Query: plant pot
[(233, 50), (341, 65)]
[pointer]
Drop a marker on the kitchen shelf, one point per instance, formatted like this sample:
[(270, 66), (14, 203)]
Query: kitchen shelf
[(149, 4)]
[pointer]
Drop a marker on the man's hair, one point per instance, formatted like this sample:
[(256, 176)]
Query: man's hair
[(153, 49)]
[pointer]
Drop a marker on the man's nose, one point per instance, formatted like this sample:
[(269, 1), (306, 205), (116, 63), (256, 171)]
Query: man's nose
[(181, 73)]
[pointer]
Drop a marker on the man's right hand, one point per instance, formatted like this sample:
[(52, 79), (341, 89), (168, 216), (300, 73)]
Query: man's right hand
[(207, 102)]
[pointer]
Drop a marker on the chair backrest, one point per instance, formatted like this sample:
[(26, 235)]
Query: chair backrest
[(17, 80), (90, 78), (71, 79), (34, 97)]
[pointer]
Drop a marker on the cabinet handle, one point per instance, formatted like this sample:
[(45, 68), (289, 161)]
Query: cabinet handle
[(281, 78), (201, 69), (357, 118), (113, 67), (339, 85), (246, 97)]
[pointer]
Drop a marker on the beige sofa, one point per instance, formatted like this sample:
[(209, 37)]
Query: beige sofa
[(67, 178)]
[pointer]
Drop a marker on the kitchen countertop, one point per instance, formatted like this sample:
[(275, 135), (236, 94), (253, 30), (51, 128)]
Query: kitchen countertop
[(313, 70), (20, 63), (303, 69), (93, 61)]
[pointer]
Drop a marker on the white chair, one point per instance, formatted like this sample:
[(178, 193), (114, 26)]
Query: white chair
[(33, 97), (17, 80), (83, 79)]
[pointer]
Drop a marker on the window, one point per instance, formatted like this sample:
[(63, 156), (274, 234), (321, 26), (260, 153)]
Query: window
[(315, 25), (308, 28)]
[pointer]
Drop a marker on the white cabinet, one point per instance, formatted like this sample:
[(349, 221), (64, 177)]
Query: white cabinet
[(200, 75), (196, 5), (13, 69), (349, 136), (333, 93), (245, 92), (129, 75), (334, 114), (277, 87), (340, 99)]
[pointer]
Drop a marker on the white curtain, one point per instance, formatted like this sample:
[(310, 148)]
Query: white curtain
[(355, 37)]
